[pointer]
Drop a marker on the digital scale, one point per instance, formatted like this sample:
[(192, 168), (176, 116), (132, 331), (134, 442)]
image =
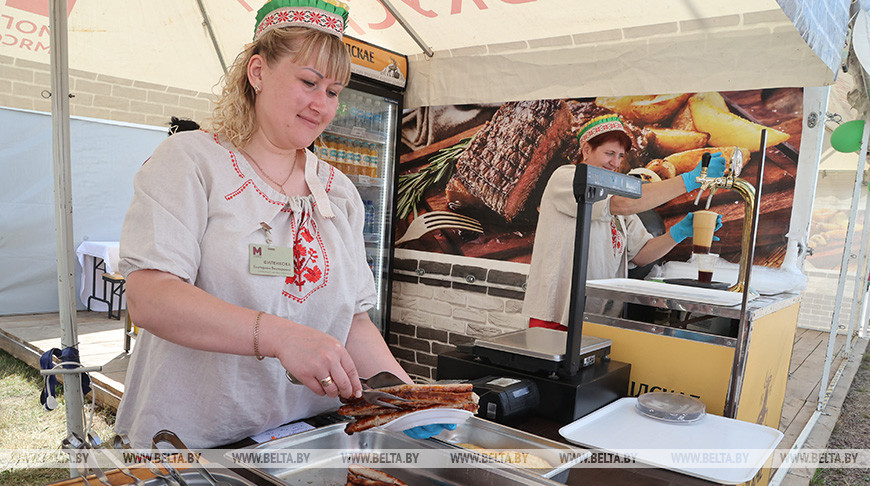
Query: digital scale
[(573, 373)]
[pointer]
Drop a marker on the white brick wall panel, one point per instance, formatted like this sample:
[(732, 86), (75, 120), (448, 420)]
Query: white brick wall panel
[(482, 330), (113, 103), (452, 296), (512, 306), (18, 74), (436, 307), (41, 78), (129, 93), (469, 315), (418, 290), (194, 103), (508, 321), (486, 302), (405, 302), (450, 324), (94, 87), (417, 318)]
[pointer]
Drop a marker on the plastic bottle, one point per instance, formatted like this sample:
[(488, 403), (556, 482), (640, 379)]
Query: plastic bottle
[(378, 119), (375, 159), (358, 155), (371, 170), (369, 113), (351, 157), (340, 119), (350, 113), (340, 154), (386, 117), (360, 116), (333, 150), (369, 227)]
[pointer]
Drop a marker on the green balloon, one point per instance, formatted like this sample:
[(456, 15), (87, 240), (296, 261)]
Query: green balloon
[(846, 138)]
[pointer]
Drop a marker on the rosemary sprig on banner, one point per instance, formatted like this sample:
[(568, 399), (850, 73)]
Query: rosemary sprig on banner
[(413, 186)]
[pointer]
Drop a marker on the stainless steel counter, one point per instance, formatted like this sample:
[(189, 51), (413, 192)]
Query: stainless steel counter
[(756, 308)]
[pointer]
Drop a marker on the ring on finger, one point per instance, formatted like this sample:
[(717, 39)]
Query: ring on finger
[(326, 381)]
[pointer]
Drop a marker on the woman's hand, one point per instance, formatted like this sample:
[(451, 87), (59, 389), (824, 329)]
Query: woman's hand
[(685, 228), (716, 168), (315, 358)]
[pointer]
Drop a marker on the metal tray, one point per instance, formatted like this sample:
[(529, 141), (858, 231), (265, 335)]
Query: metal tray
[(491, 435), (329, 445), (195, 479)]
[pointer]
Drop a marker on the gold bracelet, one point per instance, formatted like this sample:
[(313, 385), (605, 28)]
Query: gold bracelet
[(257, 337)]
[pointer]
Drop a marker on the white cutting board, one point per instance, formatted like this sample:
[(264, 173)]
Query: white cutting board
[(669, 291), (714, 448)]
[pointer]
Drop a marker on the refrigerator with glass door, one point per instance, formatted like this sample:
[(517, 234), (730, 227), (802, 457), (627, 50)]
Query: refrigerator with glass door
[(362, 142)]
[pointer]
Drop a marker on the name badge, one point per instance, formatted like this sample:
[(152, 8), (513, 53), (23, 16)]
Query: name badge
[(275, 261)]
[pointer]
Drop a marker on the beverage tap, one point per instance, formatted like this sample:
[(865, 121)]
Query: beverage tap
[(746, 192)]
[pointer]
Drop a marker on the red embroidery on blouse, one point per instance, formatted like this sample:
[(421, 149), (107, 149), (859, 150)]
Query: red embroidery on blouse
[(310, 261), (250, 182), (617, 240), (236, 164), (331, 177)]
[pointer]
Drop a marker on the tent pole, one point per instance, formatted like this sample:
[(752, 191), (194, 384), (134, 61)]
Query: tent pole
[(812, 139), (857, 315), (410, 30), (844, 270), (214, 42), (60, 135)]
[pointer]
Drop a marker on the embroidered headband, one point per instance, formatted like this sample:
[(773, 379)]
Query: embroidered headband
[(603, 124), (329, 16)]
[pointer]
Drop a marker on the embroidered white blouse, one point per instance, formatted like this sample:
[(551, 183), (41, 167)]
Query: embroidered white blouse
[(613, 242), (197, 206)]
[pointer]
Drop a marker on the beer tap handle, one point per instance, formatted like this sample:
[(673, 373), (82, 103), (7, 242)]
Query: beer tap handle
[(705, 162)]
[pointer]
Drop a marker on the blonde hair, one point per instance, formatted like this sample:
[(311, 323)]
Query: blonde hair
[(234, 116)]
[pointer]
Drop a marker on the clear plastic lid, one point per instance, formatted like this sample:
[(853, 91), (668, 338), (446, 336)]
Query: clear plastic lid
[(671, 407)]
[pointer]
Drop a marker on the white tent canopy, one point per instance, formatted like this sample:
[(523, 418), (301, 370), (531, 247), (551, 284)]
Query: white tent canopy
[(484, 50)]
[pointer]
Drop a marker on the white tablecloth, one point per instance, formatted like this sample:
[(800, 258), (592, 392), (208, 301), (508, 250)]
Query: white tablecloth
[(89, 253)]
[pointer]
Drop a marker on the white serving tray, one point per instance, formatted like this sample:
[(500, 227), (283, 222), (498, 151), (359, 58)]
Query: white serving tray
[(726, 450), (669, 291), (428, 417)]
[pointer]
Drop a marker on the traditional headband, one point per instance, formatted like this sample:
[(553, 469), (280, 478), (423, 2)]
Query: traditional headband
[(327, 15), (600, 125)]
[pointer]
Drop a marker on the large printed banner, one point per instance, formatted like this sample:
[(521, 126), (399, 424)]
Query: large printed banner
[(492, 162)]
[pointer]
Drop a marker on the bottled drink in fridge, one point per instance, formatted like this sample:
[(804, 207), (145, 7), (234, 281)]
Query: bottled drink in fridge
[(341, 154), (368, 114), (353, 156), (369, 227), (341, 113)]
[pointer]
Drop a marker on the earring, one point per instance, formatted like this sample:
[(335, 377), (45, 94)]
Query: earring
[(257, 89)]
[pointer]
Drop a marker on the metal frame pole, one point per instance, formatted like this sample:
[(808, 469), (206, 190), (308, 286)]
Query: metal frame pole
[(405, 25), (844, 267), (60, 134), (207, 23)]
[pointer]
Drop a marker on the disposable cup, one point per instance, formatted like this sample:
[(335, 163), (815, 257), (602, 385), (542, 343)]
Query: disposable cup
[(706, 265), (704, 223)]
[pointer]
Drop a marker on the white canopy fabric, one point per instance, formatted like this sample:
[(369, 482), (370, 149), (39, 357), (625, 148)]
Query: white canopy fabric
[(485, 50)]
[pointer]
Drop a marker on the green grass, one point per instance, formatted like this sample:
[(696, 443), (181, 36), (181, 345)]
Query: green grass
[(26, 425)]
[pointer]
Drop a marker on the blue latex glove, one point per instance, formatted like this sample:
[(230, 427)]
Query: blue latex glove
[(715, 169), (426, 431), (685, 228)]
